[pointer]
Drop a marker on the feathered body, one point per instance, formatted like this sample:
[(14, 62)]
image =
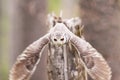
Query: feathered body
[(75, 68)]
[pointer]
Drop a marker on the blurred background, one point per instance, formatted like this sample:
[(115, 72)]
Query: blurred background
[(24, 21)]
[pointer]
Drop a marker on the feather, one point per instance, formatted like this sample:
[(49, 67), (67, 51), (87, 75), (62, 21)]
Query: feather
[(95, 64), (26, 62)]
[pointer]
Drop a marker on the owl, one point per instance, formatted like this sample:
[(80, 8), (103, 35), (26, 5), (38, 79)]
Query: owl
[(59, 35)]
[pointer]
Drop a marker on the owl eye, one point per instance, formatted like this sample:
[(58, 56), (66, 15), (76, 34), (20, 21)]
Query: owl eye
[(62, 39), (55, 39)]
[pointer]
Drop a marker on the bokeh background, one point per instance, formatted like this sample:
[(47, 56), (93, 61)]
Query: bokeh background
[(24, 21)]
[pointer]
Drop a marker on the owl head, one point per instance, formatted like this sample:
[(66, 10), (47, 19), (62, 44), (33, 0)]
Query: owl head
[(58, 38)]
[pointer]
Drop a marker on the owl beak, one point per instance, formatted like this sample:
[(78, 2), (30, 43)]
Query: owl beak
[(59, 44)]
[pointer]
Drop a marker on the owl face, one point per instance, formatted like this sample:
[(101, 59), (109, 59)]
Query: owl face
[(58, 38)]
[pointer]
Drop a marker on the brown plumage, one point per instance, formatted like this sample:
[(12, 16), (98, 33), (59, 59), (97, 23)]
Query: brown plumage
[(27, 62), (74, 56)]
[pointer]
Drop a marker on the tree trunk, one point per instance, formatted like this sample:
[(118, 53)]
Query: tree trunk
[(28, 24), (102, 28)]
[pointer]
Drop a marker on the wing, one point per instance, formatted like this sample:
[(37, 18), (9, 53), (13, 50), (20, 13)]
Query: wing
[(26, 63), (95, 64)]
